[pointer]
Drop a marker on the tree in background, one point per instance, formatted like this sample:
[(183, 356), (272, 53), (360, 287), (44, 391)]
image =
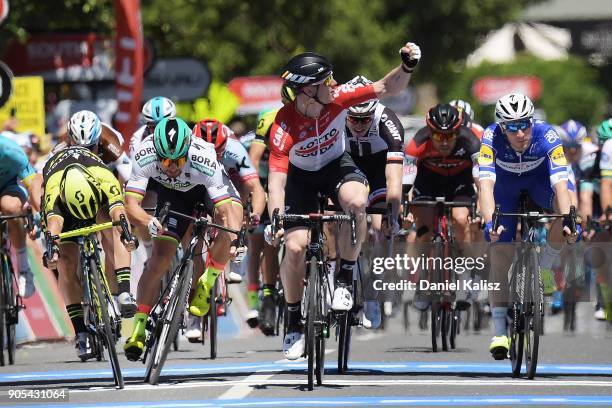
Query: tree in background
[(238, 37), (569, 88)]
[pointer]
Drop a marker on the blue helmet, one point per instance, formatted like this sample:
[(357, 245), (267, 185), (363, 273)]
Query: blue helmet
[(158, 108), (572, 133)]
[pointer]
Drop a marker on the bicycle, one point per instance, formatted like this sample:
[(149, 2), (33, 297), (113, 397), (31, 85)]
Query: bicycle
[(526, 287), (445, 318), (101, 316), (219, 300), (166, 316), (10, 301), (316, 318)]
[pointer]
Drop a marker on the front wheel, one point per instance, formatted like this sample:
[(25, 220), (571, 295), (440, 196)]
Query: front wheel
[(534, 302), (213, 319), (106, 331), (311, 317)]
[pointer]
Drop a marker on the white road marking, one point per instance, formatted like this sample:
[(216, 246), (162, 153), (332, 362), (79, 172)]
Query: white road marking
[(240, 386)]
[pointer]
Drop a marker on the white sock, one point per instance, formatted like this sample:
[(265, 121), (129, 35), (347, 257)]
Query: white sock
[(548, 257), (22, 259)]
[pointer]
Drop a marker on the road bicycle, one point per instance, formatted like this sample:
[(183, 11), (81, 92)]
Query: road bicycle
[(102, 319)]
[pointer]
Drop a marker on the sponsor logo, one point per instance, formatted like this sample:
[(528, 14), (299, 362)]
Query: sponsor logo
[(300, 79), (551, 136), (557, 156), (488, 134), (318, 145), (393, 129), (519, 167), (279, 140), (146, 160), (486, 156), (149, 151), (460, 152)]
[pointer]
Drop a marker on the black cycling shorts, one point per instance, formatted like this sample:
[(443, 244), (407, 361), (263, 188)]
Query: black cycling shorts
[(304, 187), (373, 166), (429, 185)]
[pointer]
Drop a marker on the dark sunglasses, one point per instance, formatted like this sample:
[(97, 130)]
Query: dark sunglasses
[(359, 119), (518, 125)]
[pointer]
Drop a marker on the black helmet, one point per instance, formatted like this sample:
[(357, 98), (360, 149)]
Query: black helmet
[(444, 118), (306, 69)]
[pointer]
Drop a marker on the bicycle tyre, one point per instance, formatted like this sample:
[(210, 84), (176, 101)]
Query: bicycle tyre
[(311, 308), (320, 331), (171, 320), (454, 328), (343, 329), (213, 318), (108, 338), (435, 324), (444, 327), (11, 311), (533, 318), (517, 332), (3, 310)]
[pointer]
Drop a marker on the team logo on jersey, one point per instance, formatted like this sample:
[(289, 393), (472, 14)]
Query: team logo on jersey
[(486, 156), (557, 156), (488, 134), (551, 136)]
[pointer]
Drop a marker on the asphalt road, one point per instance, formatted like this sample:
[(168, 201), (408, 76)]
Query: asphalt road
[(394, 367)]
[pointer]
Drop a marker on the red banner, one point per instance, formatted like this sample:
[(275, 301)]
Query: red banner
[(4, 8), (488, 90), (128, 66), (257, 93)]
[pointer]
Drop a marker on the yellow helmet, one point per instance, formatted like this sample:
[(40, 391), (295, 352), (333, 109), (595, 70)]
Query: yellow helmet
[(80, 192)]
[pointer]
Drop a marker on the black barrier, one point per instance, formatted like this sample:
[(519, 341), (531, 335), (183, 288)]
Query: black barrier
[(6, 83)]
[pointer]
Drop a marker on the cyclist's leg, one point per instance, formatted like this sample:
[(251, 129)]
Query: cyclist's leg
[(269, 271), (117, 262), (254, 263), (70, 288), (506, 193), (350, 189), (12, 199)]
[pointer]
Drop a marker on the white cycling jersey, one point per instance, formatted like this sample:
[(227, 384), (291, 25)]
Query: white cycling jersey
[(201, 168)]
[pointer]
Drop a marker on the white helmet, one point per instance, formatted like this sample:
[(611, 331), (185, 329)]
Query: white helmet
[(158, 108), (464, 106), (366, 108), (514, 106), (84, 128)]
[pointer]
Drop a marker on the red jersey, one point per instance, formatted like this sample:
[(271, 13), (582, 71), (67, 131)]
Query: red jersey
[(308, 143)]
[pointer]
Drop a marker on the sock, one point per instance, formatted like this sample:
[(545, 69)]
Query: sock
[(294, 316), (253, 296), (548, 257), (123, 279), (148, 247), (146, 309), (269, 290), (345, 274), (22, 259), (213, 270), (500, 316), (140, 322), (75, 312)]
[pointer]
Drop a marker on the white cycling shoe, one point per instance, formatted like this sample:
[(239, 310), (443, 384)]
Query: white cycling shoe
[(234, 277), (371, 314), (342, 300), (26, 284), (193, 330), (293, 345)]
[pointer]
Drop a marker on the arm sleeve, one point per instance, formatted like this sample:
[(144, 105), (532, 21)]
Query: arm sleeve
[(280, 145), (51, 196), (392, 132), (557, 163), (486, 157), (348, 95), (136, 185), (605, 162), (243, 164)]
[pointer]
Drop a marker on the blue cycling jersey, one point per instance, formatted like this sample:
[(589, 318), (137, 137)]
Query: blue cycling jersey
[(14, 164), (536, 170)]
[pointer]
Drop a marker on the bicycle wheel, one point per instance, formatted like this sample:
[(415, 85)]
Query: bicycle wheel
[(436, 315), (106, 331), (517, 333), (3, 309), (311, 310), (445, 326), (454, 327), (343, 328), (321, 331), (534, 299), (170, 320), (213, 318)]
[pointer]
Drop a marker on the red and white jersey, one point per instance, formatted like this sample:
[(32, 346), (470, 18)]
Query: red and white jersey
[(308, 143)]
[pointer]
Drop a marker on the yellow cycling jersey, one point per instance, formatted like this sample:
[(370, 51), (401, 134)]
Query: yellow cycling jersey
[(264, 123), (54, 171)]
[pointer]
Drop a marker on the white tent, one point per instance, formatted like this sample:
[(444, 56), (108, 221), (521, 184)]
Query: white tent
[(544, 41)]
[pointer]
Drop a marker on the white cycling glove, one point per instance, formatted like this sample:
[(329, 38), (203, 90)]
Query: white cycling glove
[(268, 235), (153, 229)]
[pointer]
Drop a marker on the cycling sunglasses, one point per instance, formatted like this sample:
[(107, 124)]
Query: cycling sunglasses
[(440, 137), (359, 119), (180, 162), (518, 125), (327, 81)]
